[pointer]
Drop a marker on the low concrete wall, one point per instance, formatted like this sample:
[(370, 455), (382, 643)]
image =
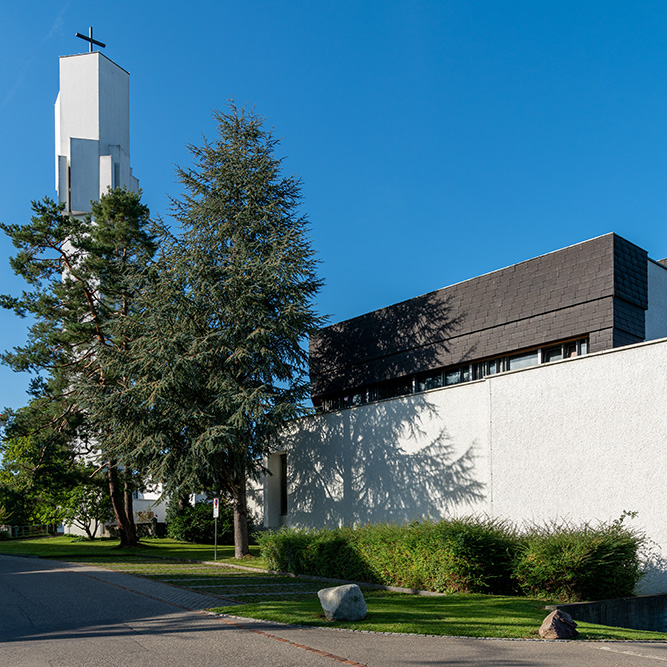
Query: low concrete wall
[(645, 612), (576, 440)]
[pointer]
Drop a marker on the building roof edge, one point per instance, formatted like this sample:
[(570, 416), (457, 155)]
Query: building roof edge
[(481, 275), (75, 55)]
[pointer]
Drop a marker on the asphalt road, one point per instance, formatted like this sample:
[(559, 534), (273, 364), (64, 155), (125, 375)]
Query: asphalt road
[(60, 614)]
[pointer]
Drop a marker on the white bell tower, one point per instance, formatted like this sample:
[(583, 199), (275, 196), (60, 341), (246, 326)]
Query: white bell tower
[(92, 130)]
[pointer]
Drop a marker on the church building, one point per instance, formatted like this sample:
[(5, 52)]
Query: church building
[(534, 393)]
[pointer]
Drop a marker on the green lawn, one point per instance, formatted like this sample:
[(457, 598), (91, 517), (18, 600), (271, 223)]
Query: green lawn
[(266, 596), (456, 615), (68, 547)]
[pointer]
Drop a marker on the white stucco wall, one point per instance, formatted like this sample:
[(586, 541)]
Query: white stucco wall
[(114, 106), (395, 460), (656, 314), (77, 105), (576, 440)]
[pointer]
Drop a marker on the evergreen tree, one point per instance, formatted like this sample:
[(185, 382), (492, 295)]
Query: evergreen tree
[(81, 275), (217, 365)]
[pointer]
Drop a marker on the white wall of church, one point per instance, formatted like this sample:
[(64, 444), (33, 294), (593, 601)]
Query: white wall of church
[(576, 440), (656, 314), (77, 106), (114, 91), (396, 460), (92, 130)]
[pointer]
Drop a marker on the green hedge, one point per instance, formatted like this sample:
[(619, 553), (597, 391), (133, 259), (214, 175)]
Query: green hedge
[(575, 563), (467, 555), (322, 553), (472, 555), (447, 556)]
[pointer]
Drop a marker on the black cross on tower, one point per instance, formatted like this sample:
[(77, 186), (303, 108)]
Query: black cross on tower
[(90, 39)]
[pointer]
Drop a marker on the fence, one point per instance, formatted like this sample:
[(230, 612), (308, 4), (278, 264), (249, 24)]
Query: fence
[(30, 531)]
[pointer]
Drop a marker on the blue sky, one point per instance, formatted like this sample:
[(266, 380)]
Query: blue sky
[(436, 140)]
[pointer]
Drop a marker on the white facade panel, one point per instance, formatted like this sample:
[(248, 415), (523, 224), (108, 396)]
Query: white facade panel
[(114, 91), (62, 176), (106, 174), (59, 153), (134, 183), (84, 174), (78, 99)]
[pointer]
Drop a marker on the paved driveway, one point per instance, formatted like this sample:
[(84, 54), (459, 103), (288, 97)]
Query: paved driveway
[(61, 615)]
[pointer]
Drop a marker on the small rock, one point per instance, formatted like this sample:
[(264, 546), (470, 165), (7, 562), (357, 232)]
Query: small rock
[(558, 625), (343, 603)]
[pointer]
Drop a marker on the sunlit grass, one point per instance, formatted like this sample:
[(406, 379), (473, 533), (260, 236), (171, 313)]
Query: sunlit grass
[(454, 615)]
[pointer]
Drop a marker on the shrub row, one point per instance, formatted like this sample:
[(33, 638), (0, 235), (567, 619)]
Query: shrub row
[(471, 555)]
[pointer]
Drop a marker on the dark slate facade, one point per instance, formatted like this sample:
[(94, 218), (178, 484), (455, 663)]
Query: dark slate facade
[(597, 290)]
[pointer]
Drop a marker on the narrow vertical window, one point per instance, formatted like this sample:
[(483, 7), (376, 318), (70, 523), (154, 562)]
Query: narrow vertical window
[(283, 484)]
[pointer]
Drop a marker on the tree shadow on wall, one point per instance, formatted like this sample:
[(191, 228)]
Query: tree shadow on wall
[(391, 461)]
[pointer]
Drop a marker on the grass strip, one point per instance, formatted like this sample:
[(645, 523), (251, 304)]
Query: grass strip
[(70, 548), (454, 615)]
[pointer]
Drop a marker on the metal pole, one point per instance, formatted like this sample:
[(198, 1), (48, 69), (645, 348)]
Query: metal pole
[(215, 530)]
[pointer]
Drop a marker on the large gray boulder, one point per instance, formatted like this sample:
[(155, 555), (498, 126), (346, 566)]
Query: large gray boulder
[(343, 603), (558, 625)]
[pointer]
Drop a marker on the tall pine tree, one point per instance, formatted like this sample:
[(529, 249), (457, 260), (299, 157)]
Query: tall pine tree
[(81, 276), (217, 362)]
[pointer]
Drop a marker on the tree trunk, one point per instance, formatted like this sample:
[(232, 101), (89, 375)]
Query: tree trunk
[(128, 537), (129, 511), (240, 518), (86, 526)]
